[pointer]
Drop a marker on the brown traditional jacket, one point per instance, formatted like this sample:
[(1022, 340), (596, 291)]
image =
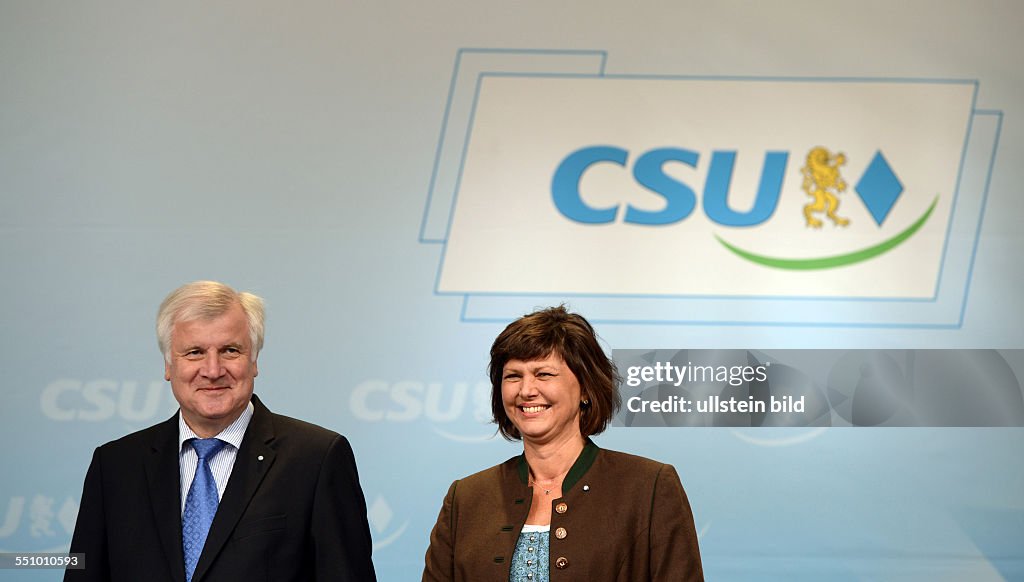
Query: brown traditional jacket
[(621, 517)]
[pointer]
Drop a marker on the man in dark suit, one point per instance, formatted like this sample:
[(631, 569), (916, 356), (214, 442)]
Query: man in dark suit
[(225, 490)]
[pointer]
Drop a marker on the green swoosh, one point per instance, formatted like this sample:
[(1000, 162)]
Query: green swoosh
[(837, 260)]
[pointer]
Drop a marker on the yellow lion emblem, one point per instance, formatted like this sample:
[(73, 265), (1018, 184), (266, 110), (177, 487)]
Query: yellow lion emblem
[(823, 182)]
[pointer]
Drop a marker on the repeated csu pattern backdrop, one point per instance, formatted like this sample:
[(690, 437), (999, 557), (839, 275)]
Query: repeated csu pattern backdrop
[(401, 179)]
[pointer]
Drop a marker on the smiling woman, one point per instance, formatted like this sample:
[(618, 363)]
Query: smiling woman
[(564, 509)]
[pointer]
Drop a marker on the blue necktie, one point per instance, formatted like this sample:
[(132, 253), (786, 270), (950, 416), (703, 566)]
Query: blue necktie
[(200, 505)]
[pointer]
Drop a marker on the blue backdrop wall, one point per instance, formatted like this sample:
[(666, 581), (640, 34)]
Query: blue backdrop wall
[(311, 152)]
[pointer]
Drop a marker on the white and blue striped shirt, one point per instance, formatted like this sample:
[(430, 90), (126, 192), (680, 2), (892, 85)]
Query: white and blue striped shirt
[(221, 463)]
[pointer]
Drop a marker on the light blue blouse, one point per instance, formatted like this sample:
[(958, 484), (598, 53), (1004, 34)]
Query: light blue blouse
[(530, 558)]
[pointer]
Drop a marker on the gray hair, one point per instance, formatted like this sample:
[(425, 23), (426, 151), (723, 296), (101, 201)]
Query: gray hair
[(207, 300)]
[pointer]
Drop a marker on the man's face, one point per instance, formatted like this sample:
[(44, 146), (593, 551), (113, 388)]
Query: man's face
[(211, 370)]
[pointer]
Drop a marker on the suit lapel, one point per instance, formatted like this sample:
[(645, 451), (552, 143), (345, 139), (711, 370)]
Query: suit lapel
[(254, 460), (164, 479)]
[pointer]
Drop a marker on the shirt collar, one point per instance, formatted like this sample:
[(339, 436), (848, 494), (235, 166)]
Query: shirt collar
[(232, 435)]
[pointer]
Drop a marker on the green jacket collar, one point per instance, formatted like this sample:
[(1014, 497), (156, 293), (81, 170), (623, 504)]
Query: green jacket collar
[(578, 469)]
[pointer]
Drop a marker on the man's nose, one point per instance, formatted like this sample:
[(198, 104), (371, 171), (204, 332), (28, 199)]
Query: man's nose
[(212, 366)]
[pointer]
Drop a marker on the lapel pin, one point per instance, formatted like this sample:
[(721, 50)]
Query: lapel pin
[(259, 458)]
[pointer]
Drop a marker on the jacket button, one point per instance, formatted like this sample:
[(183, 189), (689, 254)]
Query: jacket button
[(560, 533), (561, 508), (562, 562)]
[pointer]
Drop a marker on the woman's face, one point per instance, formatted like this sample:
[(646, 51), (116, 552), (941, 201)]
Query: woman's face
[(542, 399)]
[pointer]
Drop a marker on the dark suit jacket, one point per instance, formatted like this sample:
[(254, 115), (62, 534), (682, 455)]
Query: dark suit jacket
[(292, 510), (624, 518)]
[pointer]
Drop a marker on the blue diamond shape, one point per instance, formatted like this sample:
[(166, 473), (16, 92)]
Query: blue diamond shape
[(879, 188)]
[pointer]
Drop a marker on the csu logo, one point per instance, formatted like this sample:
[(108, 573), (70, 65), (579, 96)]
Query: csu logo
[(878, 188), (450, 408), (680, 199), (706, 199), (37, 522), (101, 400)]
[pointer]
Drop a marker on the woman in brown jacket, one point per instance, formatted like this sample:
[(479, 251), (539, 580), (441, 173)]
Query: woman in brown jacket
[(564, 509)]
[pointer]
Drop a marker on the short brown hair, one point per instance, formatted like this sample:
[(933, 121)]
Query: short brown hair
[(556, 330)]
